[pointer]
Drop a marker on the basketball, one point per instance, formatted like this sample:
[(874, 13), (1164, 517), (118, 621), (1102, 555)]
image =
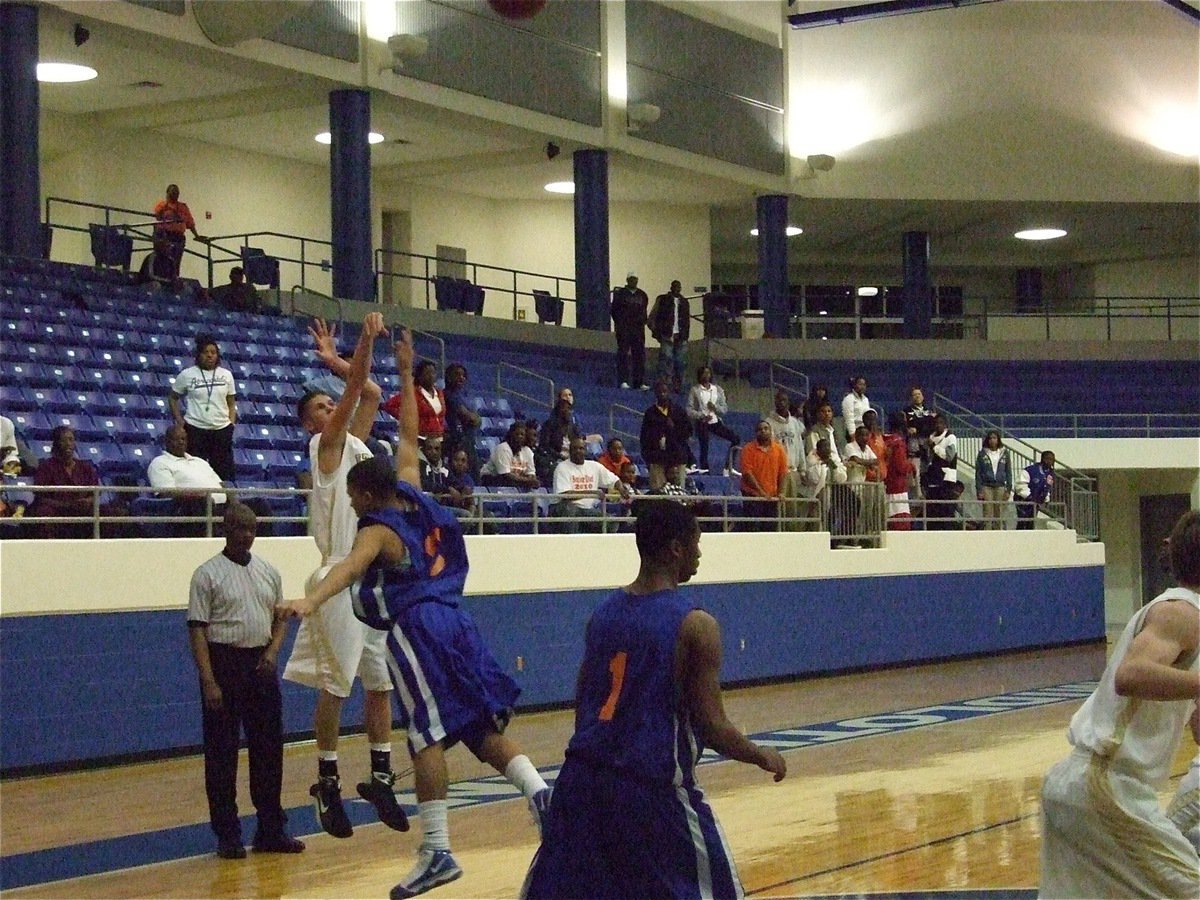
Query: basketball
[(517, 9)]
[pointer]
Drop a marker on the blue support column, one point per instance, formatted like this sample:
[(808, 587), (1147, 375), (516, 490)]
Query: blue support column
[(918, 286), (20, 179), (350, 194), (591, 239), (773, 265)]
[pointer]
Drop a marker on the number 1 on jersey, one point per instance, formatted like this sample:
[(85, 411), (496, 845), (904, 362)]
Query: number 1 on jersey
[(616, 668)]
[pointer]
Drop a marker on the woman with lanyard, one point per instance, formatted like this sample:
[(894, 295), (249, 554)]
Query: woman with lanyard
[(211, 410)]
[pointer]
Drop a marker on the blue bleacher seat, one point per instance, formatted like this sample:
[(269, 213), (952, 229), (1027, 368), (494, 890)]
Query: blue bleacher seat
[(119, 427), (34, 375), (94, 403), (82, 424), (138, 452), (132, 405), (18, 398), (150, 508), (497, 406), (34, 425)]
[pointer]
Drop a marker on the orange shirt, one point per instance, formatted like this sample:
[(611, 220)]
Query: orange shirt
[(173, 217), (613, 465), (876, 443), (768, 465)]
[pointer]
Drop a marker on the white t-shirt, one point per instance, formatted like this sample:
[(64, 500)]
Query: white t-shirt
[(790, 433), (857, 474), (167, 471), (205, 394), (504, 462), (853, 407), (331, 518), (588, 475), (8, 438)]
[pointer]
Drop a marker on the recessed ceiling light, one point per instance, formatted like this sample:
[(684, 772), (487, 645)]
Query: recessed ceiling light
[(791, 231), (64, 73), (326, 138), (868, 292), (1039, 234), (561, 187)]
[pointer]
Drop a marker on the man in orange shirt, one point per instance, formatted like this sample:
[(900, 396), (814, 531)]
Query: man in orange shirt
[(174, 218), (764, 466)]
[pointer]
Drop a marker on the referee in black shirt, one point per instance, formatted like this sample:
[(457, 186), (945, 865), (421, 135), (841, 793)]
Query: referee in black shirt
[(235, 642)]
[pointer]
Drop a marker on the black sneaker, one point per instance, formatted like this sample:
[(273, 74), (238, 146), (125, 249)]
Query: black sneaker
[(327, 798), (380, 792), (278, 843), (231, 850)]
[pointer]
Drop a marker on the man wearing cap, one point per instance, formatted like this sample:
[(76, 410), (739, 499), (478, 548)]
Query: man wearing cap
[(629, 304)]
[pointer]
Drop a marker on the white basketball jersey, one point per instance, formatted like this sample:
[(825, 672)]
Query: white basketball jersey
[(331, 517), (1138, 737)]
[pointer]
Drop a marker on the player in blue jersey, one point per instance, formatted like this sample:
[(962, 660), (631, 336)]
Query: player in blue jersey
[(408, 567), (627, 819)]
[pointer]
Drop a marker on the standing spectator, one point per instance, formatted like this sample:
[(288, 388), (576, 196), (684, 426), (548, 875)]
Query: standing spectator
[(664, 435), (173, 220), (64, 469), (579, 484), (822, 469), (670, 322), (808, 412), (628, 311), (705, 406), (877, 444), (822, 429), (940, 480), (1104, 833), (787, 430), (238, 295), (993, 479), (431, 401), (899, 474), (919, 425), (862, 469), (462, 422), (1035, 484), (614, 458), (764, 466), (235, 642), (211, 409), (854, 404), (511, 463)]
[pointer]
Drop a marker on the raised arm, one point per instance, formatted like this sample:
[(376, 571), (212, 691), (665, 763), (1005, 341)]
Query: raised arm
[(407, 455), (325, 339), (333, 436), (700, 637)]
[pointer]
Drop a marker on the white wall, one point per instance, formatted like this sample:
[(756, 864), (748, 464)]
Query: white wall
[(1178, 277)]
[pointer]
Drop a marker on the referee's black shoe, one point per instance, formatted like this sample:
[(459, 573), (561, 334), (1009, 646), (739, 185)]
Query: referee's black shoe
[(327, 798), (380, 792)]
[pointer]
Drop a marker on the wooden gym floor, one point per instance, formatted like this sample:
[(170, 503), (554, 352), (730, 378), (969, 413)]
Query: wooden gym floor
[(895, 785)]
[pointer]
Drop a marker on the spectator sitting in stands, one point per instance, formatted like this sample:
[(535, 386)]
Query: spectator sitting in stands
[(238, 295), (854, 404), (822, 468), (434, 475), (664, 434), (10, 459), (558, 432), (614, 458), (460, 491), (63, 469), (511, 463), (705, 406), (764, 467), (158, 267), (431, 401), (808, 412), (186, 478), (678, 483), (580, 484), (462, 422)]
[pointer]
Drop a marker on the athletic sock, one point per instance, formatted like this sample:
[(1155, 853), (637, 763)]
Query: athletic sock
[(522, 774), (436, 833), (381, 759), (327, 766)]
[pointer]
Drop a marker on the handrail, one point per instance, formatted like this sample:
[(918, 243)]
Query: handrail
[(244, 237), (440, 342), (614, 431), (340, 307), (1123, 424), (708, 357), (803, 392), (500, 387)]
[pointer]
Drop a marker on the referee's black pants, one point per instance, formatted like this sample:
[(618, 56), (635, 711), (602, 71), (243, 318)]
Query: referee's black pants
[(252, 701)]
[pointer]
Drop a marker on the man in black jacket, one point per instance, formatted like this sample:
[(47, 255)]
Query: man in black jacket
[(669, 323), (665, 433), (629, 304)]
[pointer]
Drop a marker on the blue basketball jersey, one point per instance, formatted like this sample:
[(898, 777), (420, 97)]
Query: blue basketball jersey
[(630, 715), (434, 570)]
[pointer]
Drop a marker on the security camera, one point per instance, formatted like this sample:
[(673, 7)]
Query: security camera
[(552, 150), (80, 34), (821, 162), (405, 47), (643, 113)]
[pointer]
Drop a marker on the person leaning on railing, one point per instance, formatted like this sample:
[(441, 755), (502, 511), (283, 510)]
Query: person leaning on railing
[(1035, 484)]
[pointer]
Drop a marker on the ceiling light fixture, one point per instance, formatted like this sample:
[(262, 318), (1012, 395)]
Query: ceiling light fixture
[(64, 73), (792, 231), (326, 138), (561, 187), (868, 292), (1040, 234)]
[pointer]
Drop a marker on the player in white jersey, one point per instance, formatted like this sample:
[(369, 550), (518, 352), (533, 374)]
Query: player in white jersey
[(334, 647), (1103, 831), (1184, 810)]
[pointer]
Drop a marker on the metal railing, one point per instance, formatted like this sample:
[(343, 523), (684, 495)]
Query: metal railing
[(1073, 489), (1167, 318), (338, 306), (518, 282), (304, 256), (631, 439), (778, 374), (734, 356), (502, 388), (140, 231), (1099, 425)]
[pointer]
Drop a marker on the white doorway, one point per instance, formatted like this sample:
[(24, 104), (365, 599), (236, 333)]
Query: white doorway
[(396, 236)]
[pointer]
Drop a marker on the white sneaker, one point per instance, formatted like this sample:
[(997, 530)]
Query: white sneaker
[(643, 387), (624, 385), (433, 868)]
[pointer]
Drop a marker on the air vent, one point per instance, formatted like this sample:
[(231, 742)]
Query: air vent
[(401, 141), (145, 84)]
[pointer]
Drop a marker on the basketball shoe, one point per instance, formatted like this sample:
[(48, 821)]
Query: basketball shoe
[(380, 793), (539, 806), (433, 868), (327, 799)]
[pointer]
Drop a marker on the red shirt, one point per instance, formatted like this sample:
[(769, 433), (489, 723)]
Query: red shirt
[(429, 422), (173, 217), (899, 467)]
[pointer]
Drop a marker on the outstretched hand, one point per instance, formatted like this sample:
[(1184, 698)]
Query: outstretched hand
[(296, 609), (373, 326), (325, 339), (404, 350)]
